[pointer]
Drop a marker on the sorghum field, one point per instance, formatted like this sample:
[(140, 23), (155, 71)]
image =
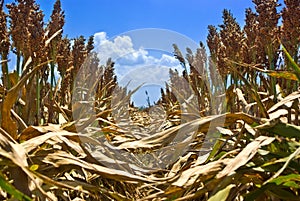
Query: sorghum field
[(257, 150)]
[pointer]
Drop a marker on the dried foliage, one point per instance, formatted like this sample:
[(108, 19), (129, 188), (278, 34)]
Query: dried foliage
[(253, 153)]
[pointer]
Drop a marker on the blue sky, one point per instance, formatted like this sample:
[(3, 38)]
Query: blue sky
[(190, 18)]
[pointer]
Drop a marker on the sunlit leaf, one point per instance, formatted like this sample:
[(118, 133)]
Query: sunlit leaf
[(283, 74), (222, 194), (286, 178), (293, 63), (245, 155), (34, 167)]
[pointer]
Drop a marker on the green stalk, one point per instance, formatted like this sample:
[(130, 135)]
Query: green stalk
[(296, 59), (288, 82), (272, 67), (38, 88), (273, 83)]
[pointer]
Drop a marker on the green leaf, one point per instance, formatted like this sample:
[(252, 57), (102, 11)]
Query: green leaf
[(222, 194), (290, 158), (10, 189), (286, 178), (34, 167), (293, 63), (282, 129), (291, 184), (215, 149), (219, 155)]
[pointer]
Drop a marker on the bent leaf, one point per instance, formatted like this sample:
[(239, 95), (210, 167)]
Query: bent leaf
[(293, 63), (281, 129), (245, 155), (286, 178), (222, 194)]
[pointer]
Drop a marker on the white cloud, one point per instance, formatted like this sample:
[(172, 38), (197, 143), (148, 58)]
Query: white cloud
[(119, 47), (149, 75), (135, 64), (99, 37)]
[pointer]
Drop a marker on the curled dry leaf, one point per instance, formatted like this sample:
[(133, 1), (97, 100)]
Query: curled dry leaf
[(245, 155), (288, 99), (63, 158), (191, 175)]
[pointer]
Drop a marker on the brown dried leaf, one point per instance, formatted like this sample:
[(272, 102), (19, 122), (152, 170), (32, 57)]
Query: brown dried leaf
[(8, 124), (178, 165), (34, 131), (13, 151), (60, 158), (203, 125), (290, 98), (245, 155), (33, 143), (17, 154), (190, 176)]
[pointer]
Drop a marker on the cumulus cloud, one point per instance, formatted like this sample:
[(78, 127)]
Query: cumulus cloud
[(135, 64), (121, 47)]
